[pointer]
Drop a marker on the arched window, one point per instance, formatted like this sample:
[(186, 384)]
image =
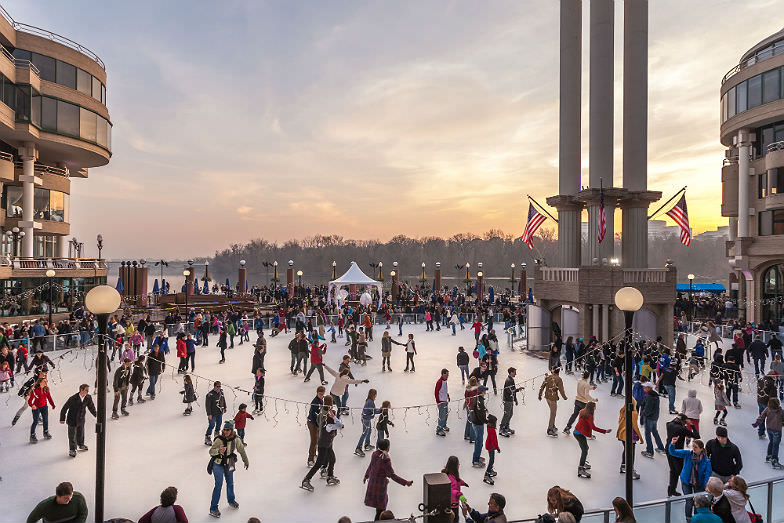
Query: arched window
[(773, 293)]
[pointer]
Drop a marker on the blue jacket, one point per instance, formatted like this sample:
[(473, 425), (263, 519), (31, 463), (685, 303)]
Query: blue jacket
[(703, 472), (369, 410), (190, 346), (704, 515)]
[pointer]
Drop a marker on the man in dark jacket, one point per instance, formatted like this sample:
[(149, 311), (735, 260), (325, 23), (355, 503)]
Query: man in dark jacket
[(122, 378), (73, 414), (724, 455), (759, 351), (775, 346), (156, 362), (721, 505), (258, 355), (149, 334), (509, 395), (766, 389), (303, 353), (676, 429), (215, 404), (293, 350), (733, 376), (478, 419), (649, 413), (313, 428)]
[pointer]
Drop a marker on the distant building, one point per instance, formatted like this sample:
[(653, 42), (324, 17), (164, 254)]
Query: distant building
[(752, 129), (721, 233)]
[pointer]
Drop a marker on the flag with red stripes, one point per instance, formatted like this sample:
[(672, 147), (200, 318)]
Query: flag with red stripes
[(681, 216), (602, 228), (535, 219)]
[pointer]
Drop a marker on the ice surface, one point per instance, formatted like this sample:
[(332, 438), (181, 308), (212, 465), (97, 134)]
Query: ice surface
[(156, 446)]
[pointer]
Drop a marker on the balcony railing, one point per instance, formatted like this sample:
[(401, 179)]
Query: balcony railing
[(52, 263), (19, 62), (44, 33), (760, 56), (567, 275), (645, 275), (776, 146), (47, 169)]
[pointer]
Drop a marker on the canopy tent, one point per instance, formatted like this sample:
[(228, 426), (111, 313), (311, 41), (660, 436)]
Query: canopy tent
[(353, 276), (155, 288), (712, 288)]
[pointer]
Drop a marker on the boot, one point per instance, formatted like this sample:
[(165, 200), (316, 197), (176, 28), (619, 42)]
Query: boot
[(130, 401), (722, 423), (125, 412), (489, 480), (33, 439), (332, 480), (358, 452), (115, 416), (582, 473), (208, 441), (47, 435), (306, 485), (142, 400)]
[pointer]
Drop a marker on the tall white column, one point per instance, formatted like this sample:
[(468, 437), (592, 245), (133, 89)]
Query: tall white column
[(744, 155), (600, 141), (595, 311), (28, 153), (61, 250), (605, 323)]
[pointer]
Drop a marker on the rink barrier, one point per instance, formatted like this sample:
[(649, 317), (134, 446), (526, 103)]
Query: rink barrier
[(672, 510)]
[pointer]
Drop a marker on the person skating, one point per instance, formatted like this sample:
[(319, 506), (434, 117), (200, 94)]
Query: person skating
[(410, 352), (582, 431), (478, 419), (369, 411), (383, 424), (773, 418), (692, 408), (720, 403), (223, 461), (649, 413), (582, 398), (317, 352), (120, 383), (240, 420), (73, 414), (65, 506), (386, 351), (258, 391), (342, 381), (39, 400), (259, 351), (312, 423), (491, 445), (462, 364), (509, 396), (188, 394), (620, 435), (442, 401), (215, 405), (696, 470), (551, 387), (138, 377), (377, 477), (329, 424), (678, 431)]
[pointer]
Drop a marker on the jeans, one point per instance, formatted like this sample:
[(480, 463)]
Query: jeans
[(192, 357), (490, 461), (400, 328), (454, 329), (569, 359), (316, 366), (578, 406), (464, 373), (153, 381), (617, 384), (241, 434), (583, 442), (364, 438), (219, 472), (761, 428), (490, 375), (443, 413), (215, 423), (302, 357), (652, 429), (774, 440), (469, 429), (293, 361), (671, 396), (759, 366), (732, 392), (479, 435), (689, 489), (41, 413)]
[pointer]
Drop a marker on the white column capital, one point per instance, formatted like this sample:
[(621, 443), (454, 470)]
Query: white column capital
[(29, 151), (744, 138)]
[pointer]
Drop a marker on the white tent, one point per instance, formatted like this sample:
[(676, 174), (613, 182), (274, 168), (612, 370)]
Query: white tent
[(354, 276)]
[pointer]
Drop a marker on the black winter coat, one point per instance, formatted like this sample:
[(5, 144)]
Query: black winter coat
[(215, 403), (649, 409), (74, 410)]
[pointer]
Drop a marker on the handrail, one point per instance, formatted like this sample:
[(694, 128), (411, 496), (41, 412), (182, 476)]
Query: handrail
[(45, 33), (754, 59), (8, 157), (19, 62), (776, 146), (48, 169)]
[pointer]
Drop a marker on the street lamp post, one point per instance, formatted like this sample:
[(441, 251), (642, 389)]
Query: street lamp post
[(186, 273), (101, 301), (274, 276), (334, 270), (512, 280), (691, 297), (50, 274), (100, 246), (467, 278), (380, 271), (15, 235), (629, 300), (299, 279), (423, 278)]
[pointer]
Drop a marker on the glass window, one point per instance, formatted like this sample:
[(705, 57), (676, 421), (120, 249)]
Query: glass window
[(46, 66), (741, 97), (21, 54), (41, 204), (84, 82), (762, 185), (770, 86), (67, 118), (56, 206), (755, 91), (87, 124), (731, 103), (23, 103), (9, 93), (765, 226), (44, 247), (66, 74), (66, 208), (102, 131), (96, 89), (778, 221), (48, 113), (724, 108), (776, 180), (12, 196), (109, 136), (35, 109), (103, 94)]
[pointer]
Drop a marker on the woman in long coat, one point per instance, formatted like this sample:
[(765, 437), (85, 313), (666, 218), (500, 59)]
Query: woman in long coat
[(378, 475)]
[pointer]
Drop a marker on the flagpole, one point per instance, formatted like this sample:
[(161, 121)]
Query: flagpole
[(542, 208), (667, 203)]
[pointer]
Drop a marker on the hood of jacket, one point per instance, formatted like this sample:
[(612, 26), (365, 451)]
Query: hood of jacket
[(693, 393)]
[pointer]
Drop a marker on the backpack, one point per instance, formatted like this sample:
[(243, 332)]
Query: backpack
[(638, 393)]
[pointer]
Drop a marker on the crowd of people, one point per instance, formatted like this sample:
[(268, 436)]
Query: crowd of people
[(142, 349)]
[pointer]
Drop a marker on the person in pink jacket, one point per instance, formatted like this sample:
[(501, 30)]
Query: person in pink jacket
[(452, 470)]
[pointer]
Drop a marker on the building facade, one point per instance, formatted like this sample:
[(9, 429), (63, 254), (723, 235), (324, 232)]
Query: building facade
[(54, 128), (752, 129)]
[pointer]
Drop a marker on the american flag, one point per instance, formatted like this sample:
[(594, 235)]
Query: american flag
[(535, 219), (681, 216), (602, 232)]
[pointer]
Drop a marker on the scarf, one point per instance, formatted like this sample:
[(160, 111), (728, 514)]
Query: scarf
[(695, 463)]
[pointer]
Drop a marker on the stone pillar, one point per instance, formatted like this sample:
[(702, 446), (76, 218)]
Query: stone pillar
[(732, 231), (634, 247), (29, 154), (595, 326), (140, 285), (189, 281), (242, 278), (61, 250), (605, 323), (744, 140), (569, 234), (437, 277), (480, 285)]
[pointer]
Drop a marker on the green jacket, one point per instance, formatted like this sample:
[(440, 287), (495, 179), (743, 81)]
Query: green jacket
[(230, 330), (74, 512), (232, 444)]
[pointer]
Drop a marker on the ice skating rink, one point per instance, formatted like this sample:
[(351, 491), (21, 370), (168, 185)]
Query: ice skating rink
[(156, 446)]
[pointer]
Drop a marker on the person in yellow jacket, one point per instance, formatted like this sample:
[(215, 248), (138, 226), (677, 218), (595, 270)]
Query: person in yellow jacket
[(621, 434)]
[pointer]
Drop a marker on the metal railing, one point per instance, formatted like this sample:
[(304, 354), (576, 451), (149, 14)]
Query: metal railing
[(770, 51), (19, 62), (52, 263), (776, 146), (693, 327), (45, 33), (46, 169)]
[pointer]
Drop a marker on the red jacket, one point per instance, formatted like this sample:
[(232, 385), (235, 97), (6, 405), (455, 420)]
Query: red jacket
[(316, 353), (240, 419), (39, 397), (585, 426), (491, 443), (439, 383), (182, 349)]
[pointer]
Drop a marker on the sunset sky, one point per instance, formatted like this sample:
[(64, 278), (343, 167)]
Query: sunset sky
[(276, 119)]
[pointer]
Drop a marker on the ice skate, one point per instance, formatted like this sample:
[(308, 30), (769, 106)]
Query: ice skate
[(72, 453), (722, 423), (125, 412), (47, 435), (492, 473), (33, 439), (369, 447), (115, 415), (489, 480), (478, 464), (776, 465), (332, 481), (83, 448), (358, 452), (323, 473), (234, 504), (311, 463), (567, 431), (142, 400), (583, 473), (130, 402), (208, 441), (215, 513)]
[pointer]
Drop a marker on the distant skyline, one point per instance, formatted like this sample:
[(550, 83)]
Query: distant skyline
[(280, 120)]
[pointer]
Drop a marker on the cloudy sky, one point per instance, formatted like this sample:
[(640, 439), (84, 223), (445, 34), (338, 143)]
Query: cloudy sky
[(276, 119)]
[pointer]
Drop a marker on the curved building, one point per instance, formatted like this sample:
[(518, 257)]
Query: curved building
[(54, 128), (752, 129)]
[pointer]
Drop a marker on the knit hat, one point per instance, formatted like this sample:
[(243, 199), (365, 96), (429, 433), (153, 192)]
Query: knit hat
[(229, 425), (721, 432)]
